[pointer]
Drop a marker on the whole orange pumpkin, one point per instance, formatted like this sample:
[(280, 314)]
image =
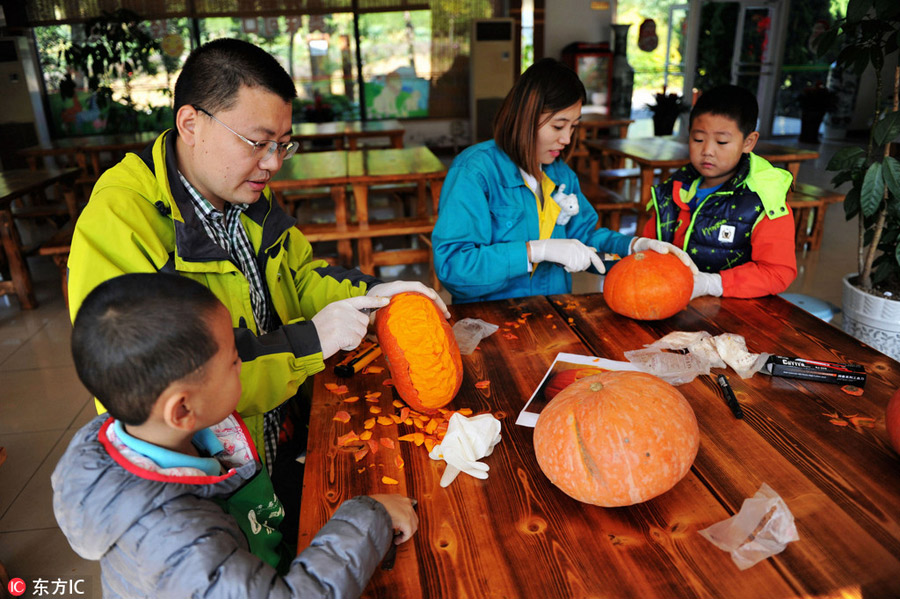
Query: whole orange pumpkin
[(648, 286), (616, 438), (421, 351)]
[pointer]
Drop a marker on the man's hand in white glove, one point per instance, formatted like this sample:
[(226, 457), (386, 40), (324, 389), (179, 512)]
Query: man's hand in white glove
[(342, 325), (645, 243), (707, 284), (391, 289), (571, 253)]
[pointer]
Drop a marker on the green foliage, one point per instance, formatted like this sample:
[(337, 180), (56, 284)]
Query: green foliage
[(868, 36)]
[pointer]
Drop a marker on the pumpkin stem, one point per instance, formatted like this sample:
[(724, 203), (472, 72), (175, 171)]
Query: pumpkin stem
[(596, 386)]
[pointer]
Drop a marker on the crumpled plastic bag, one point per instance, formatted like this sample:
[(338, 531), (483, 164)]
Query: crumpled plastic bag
[(733, 350), (467, 441), (703, 351), (675, 369), (762, 528), (470, 331)]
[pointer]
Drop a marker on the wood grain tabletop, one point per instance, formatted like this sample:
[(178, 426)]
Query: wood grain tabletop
[(516, 535)]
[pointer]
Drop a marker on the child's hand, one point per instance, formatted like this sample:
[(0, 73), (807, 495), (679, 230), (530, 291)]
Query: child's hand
[(403, 516), (640, 244)]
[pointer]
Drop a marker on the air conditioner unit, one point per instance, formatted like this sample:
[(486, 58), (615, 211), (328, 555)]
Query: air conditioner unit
[(492, 72)]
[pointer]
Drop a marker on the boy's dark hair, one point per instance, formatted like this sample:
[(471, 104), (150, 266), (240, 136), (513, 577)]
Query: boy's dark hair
[(736, 103), (136, 334), (547, 86), (214, 72)]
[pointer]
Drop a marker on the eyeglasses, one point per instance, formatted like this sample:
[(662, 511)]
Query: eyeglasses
[(261, 150)]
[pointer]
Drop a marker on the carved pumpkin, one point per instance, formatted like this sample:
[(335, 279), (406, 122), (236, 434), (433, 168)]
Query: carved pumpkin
[(421, 351), (563, 379), (648, 286), (616, 438)]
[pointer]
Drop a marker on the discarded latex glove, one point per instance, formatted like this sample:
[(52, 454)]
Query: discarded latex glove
[(762, 528), (470, 331), (467, 441), (568, 205)]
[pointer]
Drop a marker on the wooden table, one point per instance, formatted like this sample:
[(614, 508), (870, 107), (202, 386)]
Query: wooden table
[(15, 184), (339, 132), (86, 150), (667, 154), (589, 127), (360, 170), (516, 535)]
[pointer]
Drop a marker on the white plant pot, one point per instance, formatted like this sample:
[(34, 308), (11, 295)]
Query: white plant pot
[(871, 319)]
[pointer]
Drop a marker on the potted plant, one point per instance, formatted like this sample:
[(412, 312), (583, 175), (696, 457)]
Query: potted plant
[(871, 308), (665, 112), (815, 101)]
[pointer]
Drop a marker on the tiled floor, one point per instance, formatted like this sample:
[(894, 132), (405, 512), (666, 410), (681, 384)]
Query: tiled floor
[(42, 403)]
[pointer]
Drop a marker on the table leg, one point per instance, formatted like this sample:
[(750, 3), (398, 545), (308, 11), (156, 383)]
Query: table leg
[(436, 186), (345, 248), (18, 268), (364, 244)]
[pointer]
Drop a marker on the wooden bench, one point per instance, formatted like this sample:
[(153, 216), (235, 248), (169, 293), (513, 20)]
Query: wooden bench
[(610, 206), (421, 228)]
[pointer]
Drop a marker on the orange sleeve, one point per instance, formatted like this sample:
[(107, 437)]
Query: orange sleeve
[(773, 263), (650, 227)]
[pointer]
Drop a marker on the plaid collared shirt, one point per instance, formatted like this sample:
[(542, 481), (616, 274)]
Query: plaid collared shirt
[(226, 230)]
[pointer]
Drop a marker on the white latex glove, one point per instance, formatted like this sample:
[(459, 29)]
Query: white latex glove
[(391, 289), (645, 243), (706, 283), (467, 441), (571, 253), (568, 205), (342, 324)]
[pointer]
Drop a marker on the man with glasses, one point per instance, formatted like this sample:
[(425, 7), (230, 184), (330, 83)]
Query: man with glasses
[(196, 203)]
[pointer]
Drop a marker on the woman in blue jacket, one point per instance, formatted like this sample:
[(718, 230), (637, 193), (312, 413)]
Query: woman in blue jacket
[(501, 231)]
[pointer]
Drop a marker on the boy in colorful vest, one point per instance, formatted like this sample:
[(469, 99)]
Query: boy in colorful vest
[(727, 209), (166, 490)]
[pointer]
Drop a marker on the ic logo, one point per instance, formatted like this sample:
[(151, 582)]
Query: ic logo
[(16, 587)]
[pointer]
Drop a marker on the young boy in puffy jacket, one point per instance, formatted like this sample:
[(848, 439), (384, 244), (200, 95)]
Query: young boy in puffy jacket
[(727, 208), (167, 489)]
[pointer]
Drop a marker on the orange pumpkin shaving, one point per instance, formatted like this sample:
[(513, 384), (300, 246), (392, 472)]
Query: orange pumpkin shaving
[(370, 423), (465, 411), (399, 461), (373, 445), (389, 481), (361, 454), (336, 389), (348, 439), (375, 409), (365, 435), (385, 421), (429, 444), (373, 395), (342, 416), (387, 442), (397, 403), (353, 399), (387, 383), (482, 384), (373, 370)]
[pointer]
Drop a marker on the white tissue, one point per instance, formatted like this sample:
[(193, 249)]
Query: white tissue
[(467, 441)]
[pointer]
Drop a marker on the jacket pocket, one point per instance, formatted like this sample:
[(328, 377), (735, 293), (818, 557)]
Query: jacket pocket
[(507, 223)]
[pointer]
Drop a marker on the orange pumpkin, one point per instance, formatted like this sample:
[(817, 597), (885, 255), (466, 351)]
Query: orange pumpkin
[(648, 286), (563, 379), (421, 351), (616, 438)]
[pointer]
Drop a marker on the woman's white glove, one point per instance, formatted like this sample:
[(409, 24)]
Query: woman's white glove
[(394, 287), (342, 324), (645, 243), (571, 253), (707, 284)]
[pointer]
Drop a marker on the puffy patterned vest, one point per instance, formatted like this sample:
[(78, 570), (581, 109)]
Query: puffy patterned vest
[(718, 236)]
